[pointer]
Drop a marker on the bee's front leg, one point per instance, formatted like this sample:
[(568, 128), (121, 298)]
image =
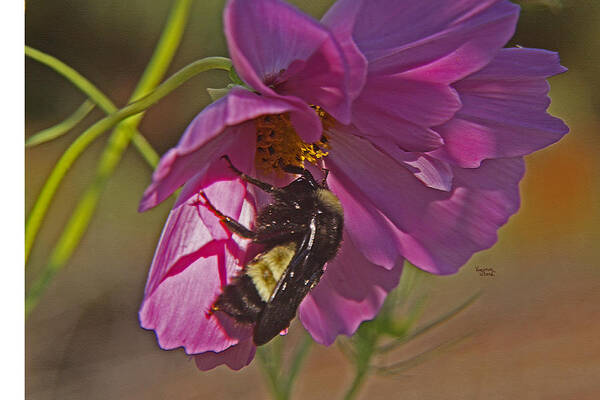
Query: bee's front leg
[(260, 184), (232, 224)]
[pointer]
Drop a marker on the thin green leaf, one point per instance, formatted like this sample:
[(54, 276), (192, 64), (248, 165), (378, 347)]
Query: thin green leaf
[(145, 149), (74, 77), (404, 365), (63, 127), (425, 328)]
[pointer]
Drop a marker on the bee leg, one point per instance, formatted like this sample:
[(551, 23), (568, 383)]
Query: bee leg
[(325, 175), (260, 184), (232, 224), (294, 169)]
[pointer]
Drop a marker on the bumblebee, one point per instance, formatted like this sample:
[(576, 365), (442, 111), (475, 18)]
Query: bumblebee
[(299, 231)]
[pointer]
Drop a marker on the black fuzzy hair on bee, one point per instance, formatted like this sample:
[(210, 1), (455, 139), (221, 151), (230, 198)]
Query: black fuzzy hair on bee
[(300, 231)]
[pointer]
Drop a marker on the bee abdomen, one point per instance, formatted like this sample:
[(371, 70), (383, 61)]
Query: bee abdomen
[(240, 300)]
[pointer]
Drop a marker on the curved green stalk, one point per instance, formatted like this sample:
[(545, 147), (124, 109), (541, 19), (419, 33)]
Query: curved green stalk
[(108, 162), (297, 360), (63, 127), (74, 77), (87, 87), (80, 218), (408, 336), (145, 149), (118, 142), (95, 95), (401, 366), (365, 350), (36, 216), (281, 379)]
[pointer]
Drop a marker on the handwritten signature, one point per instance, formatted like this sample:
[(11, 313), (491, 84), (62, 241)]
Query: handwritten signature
[(483, 271)]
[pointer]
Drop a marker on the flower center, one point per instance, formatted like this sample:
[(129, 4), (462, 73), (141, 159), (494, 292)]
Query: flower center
[(277, 143)]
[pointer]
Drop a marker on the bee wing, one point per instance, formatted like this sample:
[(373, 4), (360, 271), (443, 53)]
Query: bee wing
[(303, 272)]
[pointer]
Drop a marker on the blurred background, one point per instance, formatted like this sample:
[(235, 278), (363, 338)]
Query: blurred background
[(536, 326)]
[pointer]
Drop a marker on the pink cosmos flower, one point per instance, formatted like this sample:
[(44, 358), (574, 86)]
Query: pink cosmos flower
[(425, 118)]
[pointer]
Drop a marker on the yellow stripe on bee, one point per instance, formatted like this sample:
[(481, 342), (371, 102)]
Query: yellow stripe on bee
[(267, 268)]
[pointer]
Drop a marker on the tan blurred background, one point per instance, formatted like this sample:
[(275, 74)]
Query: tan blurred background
[(537, 325)]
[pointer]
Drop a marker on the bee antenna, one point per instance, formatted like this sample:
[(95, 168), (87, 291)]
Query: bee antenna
[(325, 175)]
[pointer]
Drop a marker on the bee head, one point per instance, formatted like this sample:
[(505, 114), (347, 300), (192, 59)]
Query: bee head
[(306, 182)]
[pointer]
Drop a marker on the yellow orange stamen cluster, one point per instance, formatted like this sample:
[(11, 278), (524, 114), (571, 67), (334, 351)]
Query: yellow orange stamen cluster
[(278, 144)]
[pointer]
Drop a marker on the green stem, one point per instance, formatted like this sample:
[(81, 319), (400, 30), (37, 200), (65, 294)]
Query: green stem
[(95, 95), (36, 216), (61, 128), (145, 149), (74, 77), (80, 218), (297, 360), (117, 145), (165, 49), (281, 376), (270, 363), (357, 382), (363, 361), (118, 142)]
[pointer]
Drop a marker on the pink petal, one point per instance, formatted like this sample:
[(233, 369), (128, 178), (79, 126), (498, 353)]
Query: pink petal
[(217, 130), (409, 136), (364, 224), (518, 64), (305, 120), (187, 274), (236, 357), (504, 112), (440, 40), (402, 111), (434, 173), (219, 172), (321, 80), (276, 48), (183, 235), (437, 231), (178, 309), (338, 19), (422, 103), (351, 291)]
